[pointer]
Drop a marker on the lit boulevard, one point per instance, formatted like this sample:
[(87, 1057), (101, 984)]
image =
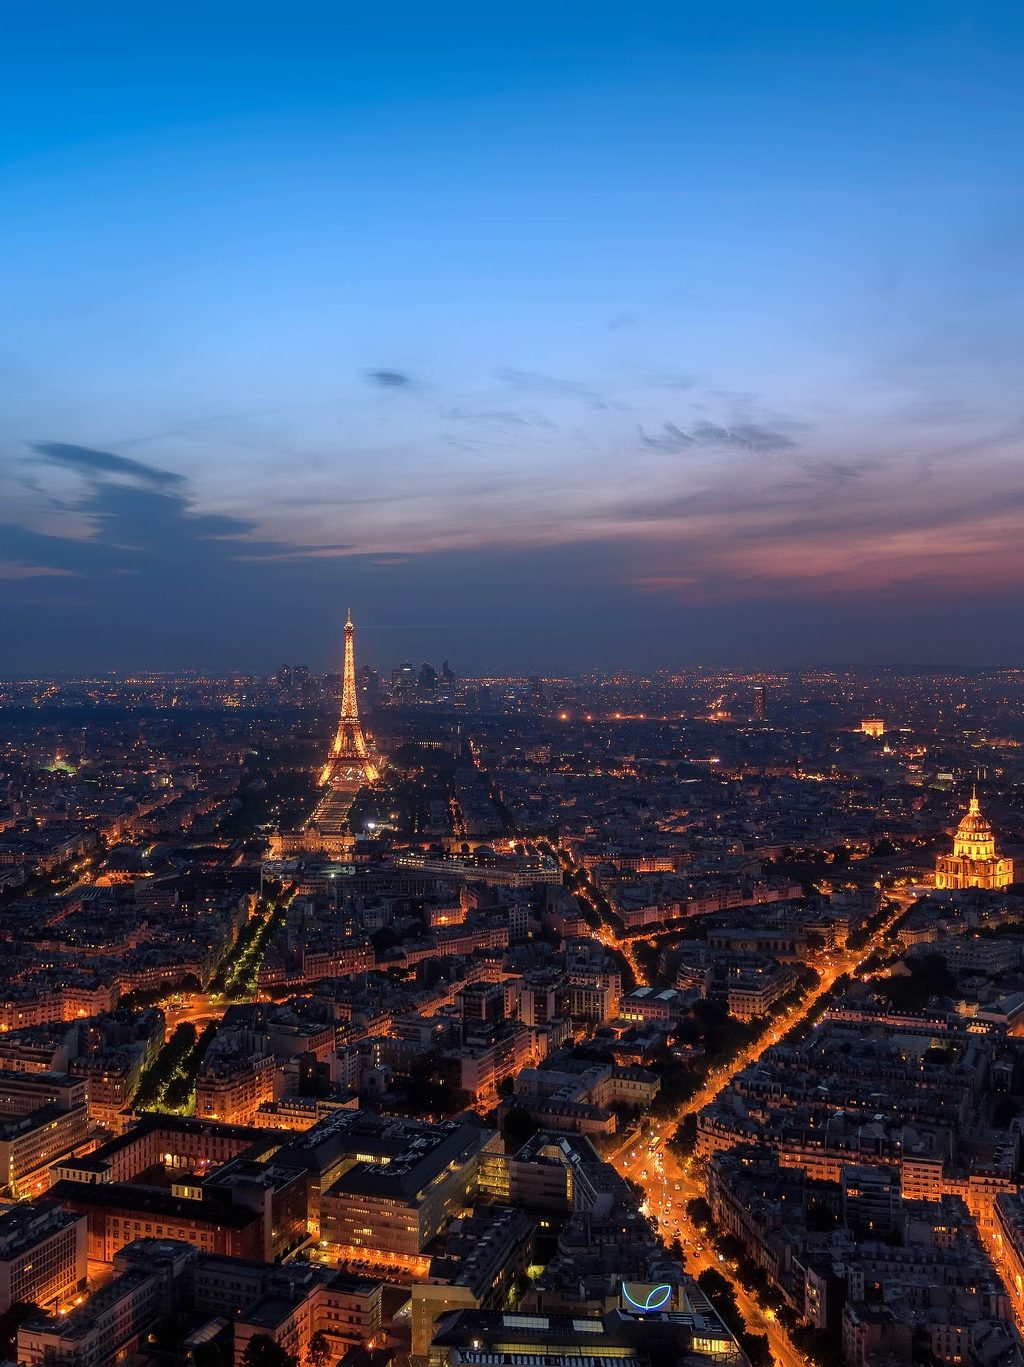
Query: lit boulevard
[(669, 1184)]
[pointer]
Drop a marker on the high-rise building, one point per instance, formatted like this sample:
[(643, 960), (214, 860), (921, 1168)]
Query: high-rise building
[(759, 701), (404, 680), (369, 688), (974, 862)]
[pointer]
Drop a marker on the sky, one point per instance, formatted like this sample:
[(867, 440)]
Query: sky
[(548, 337)]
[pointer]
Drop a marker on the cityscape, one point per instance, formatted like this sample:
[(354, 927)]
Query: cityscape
[(511, 684), (378, 1015)]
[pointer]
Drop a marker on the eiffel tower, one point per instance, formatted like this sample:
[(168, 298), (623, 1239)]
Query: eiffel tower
[(349, 760), (349, 767)]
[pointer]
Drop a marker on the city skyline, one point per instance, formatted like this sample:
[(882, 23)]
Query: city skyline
[(708, 325), (292, 1024)]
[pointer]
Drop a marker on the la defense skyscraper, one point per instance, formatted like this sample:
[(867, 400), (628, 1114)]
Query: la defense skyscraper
[(349, 767)]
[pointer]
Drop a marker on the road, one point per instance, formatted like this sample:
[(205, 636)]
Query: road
[(198, 1007), (589, 894), (669, 1183)]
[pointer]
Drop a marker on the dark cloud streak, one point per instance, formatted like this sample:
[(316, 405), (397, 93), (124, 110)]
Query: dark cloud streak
[(389, 379), (90, 462), (747, 436)]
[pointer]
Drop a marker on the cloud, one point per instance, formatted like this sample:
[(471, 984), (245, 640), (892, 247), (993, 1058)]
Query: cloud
[(530, 382), (263, 553), (132, 517), (489, 417), (16, 569), (670, 440), (389, 379), (89, 461), (747, 436), (837, 471), (739, 436)]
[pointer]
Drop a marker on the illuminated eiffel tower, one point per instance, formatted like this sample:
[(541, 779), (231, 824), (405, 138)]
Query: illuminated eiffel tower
[(349, 767), (349, 760)]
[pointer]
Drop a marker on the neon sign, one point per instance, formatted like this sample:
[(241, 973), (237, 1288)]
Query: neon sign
[(654, 1297)]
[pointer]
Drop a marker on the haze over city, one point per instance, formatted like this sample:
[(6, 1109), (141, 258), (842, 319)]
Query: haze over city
[(555, 337)]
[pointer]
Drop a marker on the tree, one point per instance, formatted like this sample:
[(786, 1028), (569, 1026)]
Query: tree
[(648, 955), (699, 1212), (756, 1348), (685, 1137), (17, 1313), (519, 1127), (318, 1354), (262, 1351), (712, 1283), (929, 977)]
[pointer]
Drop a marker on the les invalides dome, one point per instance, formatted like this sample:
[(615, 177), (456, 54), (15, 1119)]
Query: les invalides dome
[(974, 862)]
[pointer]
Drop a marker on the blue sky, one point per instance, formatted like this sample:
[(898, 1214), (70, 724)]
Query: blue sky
[(509, 323)]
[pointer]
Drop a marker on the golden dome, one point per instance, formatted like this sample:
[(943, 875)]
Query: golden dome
[(973, 824), (974, 862)]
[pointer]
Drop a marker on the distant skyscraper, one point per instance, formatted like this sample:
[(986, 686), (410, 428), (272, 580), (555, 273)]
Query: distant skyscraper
[(759, 701), (369, 687), (428, 680), (403, 681)]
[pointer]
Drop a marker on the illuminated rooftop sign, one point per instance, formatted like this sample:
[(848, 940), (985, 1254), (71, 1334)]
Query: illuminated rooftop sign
[(646, 1298)]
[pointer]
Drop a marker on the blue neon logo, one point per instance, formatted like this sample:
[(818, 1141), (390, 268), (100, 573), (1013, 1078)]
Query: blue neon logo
[(657, 1297)]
